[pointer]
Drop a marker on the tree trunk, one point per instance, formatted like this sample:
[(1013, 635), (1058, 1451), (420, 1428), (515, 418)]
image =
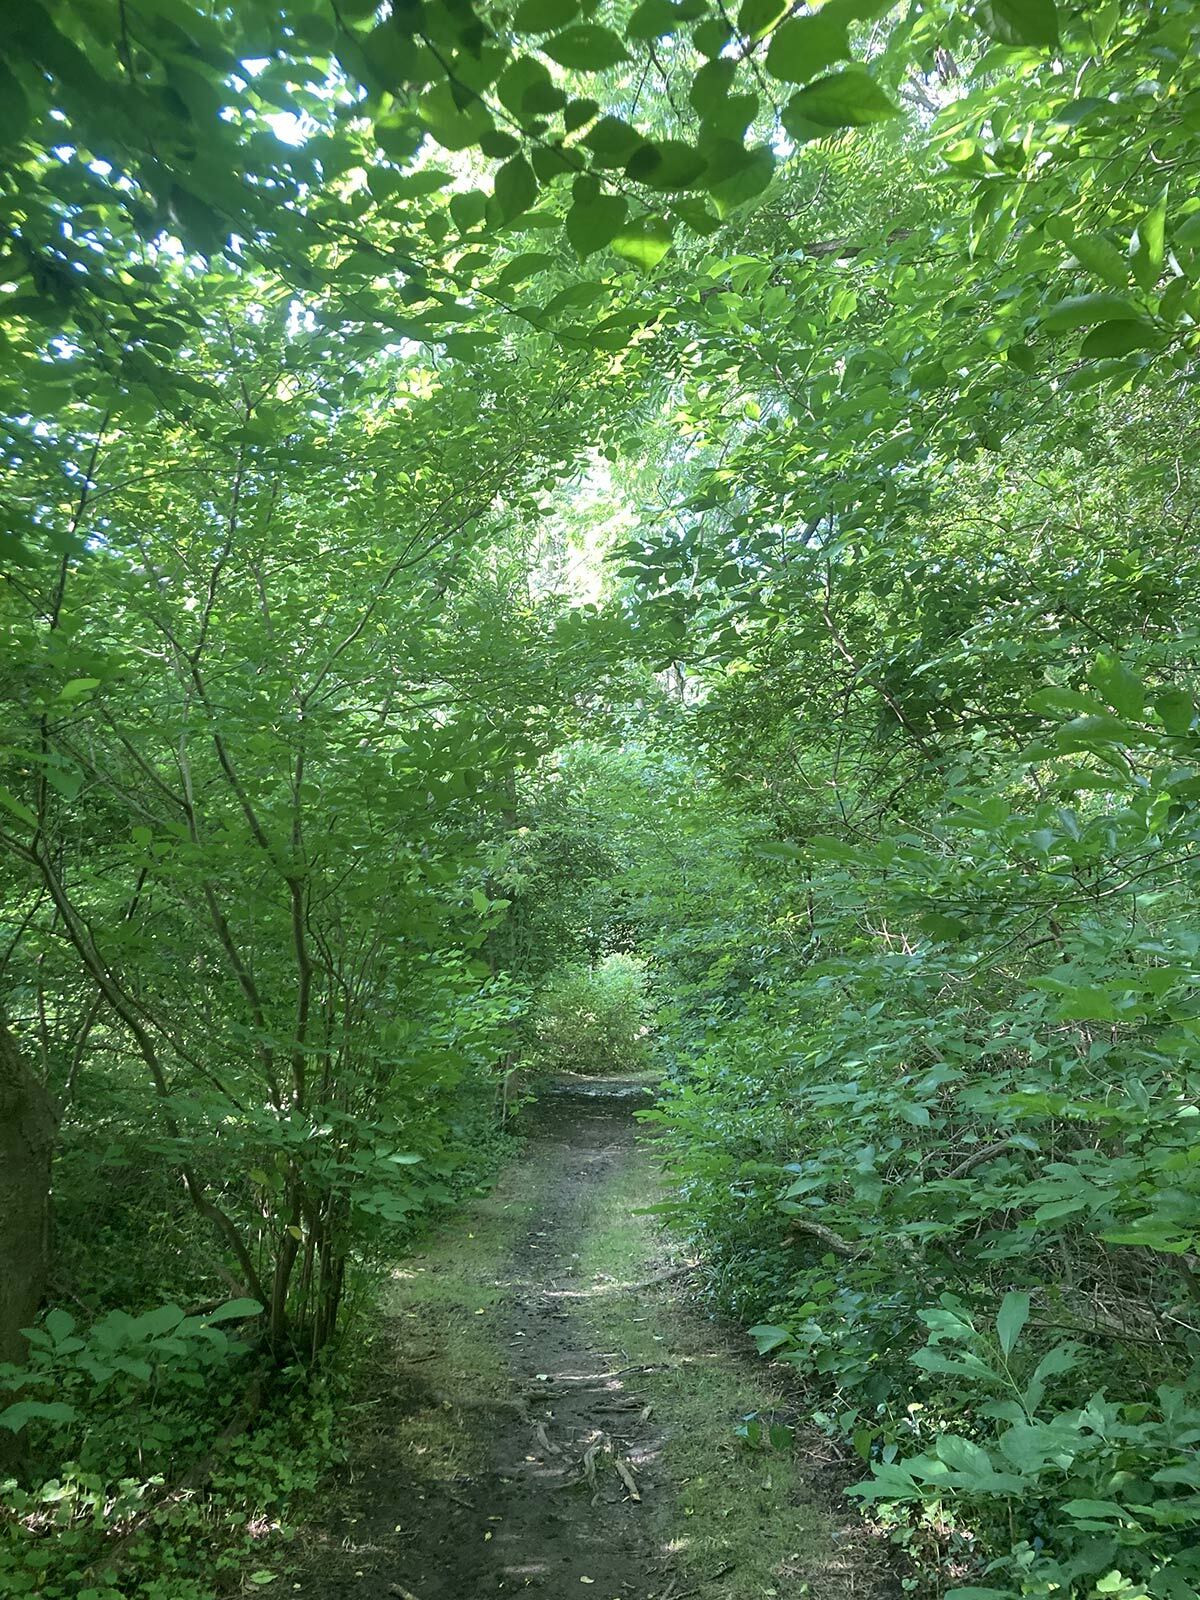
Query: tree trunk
[(27, 1132)]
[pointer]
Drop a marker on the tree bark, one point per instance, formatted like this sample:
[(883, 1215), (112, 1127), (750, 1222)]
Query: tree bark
[(28, 1126)]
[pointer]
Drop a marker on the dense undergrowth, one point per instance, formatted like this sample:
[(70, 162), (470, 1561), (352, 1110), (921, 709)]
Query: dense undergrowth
[(166, 1455)]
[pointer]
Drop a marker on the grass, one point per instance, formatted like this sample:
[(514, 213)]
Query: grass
[(737, 1523), (438, 1312)]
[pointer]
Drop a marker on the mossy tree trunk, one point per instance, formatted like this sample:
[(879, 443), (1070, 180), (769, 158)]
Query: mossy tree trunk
[(27, 1131)]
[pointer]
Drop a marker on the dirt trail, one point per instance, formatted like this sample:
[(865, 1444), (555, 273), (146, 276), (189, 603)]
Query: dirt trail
[(517, 1444)]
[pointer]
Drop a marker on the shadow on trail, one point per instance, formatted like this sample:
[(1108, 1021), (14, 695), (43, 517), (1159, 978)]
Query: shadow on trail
[(545, 1414), (567, 1452)]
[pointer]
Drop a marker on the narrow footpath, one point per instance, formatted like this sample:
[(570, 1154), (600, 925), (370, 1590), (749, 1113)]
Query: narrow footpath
[(548, 1413)]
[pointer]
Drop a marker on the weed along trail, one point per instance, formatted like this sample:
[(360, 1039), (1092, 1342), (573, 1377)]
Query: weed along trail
[(546, 1413)]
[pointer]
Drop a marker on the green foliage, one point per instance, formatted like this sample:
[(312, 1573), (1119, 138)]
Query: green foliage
[(593, 1019), (867, 337)]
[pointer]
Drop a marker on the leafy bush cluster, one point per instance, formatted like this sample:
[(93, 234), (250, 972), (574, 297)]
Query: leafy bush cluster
[(951, 1176), (593, 1019)]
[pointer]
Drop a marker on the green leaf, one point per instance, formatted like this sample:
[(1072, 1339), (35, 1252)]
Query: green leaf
[(1101, 258), (736, 174), (1147, 246), (1118, 339), (77, 688), (468, 209), (526, 88), (644, 241), (667, 166), (711, 37), (543, 16), (586, 48), (516, 188), (1011, 1318), (756, 18), (234, 1310), (161, 1320), (10, 803), (59, 1324), (1175, 709), (578, 113), (769, 1336), (15, 1417), (847, 99), (1021, 22), (1172, 1241), (611, 142), (592, 224), (653, 18), (804, 46), (1085, 310), (963, 1455), (1120, 688), (453, 127)]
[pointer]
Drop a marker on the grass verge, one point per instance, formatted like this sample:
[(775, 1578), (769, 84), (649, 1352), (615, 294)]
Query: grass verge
[(736, 1518)]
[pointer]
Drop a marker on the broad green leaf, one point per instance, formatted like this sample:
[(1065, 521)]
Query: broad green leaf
[(1011, 1318), (468, 209), (1147, 246), (1148, 1236), (653, 18), (804, 46), (963, 1455), (1121, 689), (611, 142), (77, 688), (644, 241), (454, 127), (1101, 258), (15, 1417), (18, 808), (1086, 310), (234, 1310), (711, 37), (1021, 22), (1119, 338), (769, 1336), (756, 18), (526, 88), (735, 174), (543, 16), (587, 47), (516, 188), (161, 1320), (592, 224), (59, 1324), (847, 99), (668, 166), (1175, 709)]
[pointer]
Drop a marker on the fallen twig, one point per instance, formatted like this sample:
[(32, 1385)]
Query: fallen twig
[(540, 1431), (626, 1477)]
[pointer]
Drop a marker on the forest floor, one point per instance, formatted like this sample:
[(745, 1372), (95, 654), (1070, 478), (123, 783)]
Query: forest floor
[(546, 1412)]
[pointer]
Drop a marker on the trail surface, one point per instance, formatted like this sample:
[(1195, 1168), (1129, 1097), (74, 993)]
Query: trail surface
[(547, 1415)]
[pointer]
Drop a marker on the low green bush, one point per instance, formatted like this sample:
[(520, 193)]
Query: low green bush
[(594, 1019)]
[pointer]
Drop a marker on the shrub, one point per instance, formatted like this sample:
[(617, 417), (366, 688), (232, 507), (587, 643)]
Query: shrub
[(594, 1019)]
